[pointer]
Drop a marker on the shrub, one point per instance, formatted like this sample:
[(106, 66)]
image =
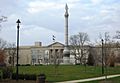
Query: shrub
[(25, 76), (77, 64), (2, 65), (21, 76), (91, 60), (27, 65), (111, 60), (18, 64), (30, 76), (38, 64), (13, 76), (7, 71)]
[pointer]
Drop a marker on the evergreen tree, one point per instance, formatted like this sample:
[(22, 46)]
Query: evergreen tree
[(91, 60)]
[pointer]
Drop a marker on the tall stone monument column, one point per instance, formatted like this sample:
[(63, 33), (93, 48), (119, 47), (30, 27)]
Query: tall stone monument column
[(66, 51)]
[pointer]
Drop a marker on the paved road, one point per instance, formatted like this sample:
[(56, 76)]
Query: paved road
[(90, 79)]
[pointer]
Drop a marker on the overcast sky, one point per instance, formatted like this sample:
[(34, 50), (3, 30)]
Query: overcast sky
[(40, 19)]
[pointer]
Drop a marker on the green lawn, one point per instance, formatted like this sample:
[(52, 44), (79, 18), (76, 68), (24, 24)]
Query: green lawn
[(64, 73)]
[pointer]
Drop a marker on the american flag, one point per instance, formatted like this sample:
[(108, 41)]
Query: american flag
[(53, 38)]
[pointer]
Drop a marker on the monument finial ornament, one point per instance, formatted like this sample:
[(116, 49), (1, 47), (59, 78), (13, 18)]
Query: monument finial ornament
[(66, 6), (66, 11)]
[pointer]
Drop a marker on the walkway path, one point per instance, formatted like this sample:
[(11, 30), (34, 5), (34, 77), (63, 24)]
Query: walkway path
[(90, 79)]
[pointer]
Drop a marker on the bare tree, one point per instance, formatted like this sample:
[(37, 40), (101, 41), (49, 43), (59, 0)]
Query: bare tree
[(111, 60), (11, 52), (2, 51), (2, 19), (3, 43), (117, 38), (95, 51), (117, 35), (74, 46), (107, 47), (77, 43), (56, 60), (118, 58)]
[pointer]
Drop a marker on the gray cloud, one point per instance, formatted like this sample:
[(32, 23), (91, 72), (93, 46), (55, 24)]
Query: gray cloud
[(47, 18)]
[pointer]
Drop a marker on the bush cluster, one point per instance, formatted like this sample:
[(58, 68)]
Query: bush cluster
[(38, 64), (25, 76), (77, 64), (23, 65), (29, 64), (6, 72)]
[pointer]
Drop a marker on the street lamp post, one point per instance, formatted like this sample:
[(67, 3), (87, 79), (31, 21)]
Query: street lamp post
[(102, 57), (18, 22)]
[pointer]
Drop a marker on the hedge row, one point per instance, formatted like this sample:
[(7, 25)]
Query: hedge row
[(29, 64), (25, 76), (6, 72)]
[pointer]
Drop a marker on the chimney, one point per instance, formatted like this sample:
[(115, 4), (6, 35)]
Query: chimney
[(38, 43)]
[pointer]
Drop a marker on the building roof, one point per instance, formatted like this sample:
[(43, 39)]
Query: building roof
[(55, 43)]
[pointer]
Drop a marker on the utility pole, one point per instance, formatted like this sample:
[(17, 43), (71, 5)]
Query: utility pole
[(102, 57)]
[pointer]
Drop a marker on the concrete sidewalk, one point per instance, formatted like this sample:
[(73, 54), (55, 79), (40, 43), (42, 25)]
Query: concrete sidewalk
[(90, 79)]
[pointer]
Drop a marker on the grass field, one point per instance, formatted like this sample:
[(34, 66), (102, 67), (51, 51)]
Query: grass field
[(69, 72)]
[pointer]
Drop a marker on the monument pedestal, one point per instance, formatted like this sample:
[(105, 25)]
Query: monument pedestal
[(66, 55), (66, 60)]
